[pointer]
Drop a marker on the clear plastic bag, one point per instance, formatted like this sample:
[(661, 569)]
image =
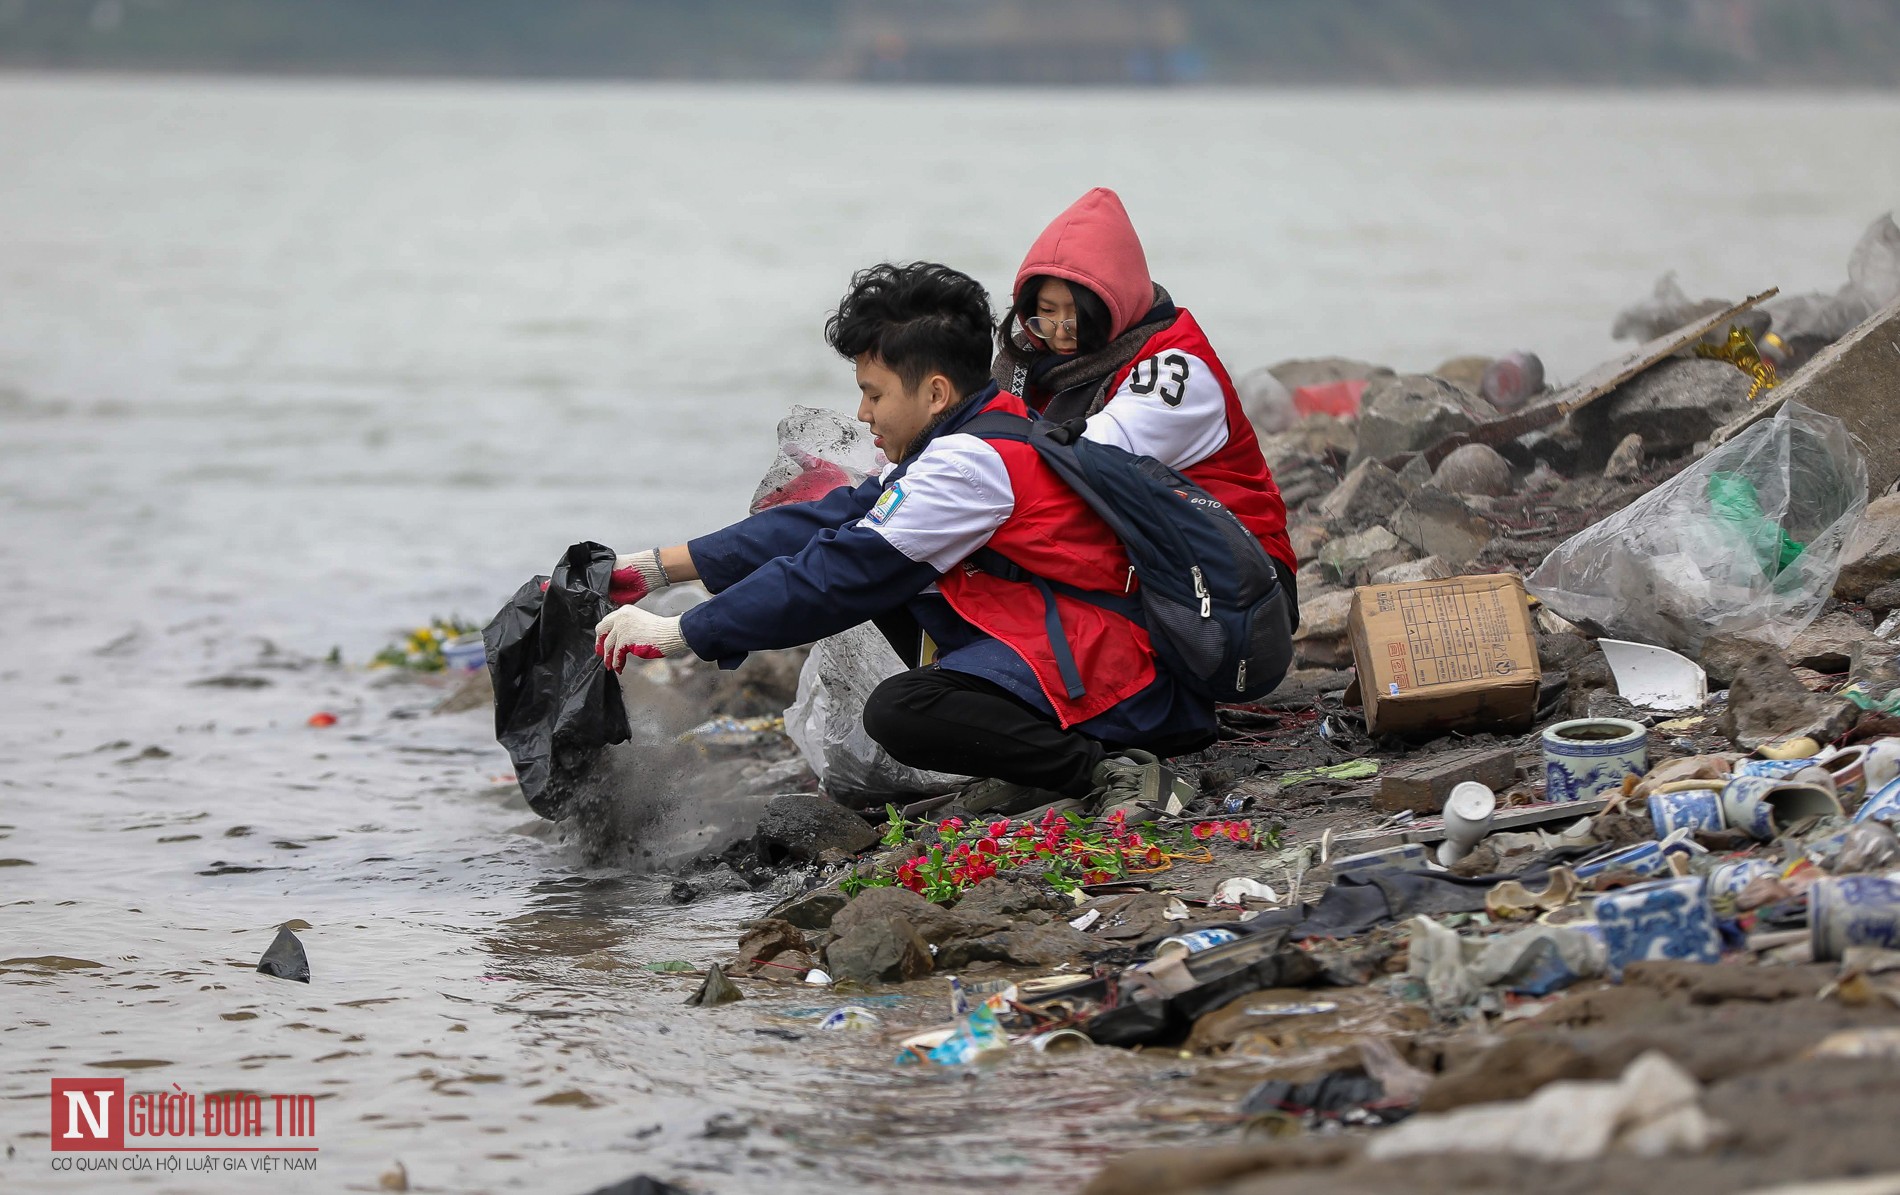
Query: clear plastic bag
[(1746, 541), (818, 451), (826, 721)]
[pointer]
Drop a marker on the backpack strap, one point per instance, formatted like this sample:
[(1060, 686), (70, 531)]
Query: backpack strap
[(1001, 425)]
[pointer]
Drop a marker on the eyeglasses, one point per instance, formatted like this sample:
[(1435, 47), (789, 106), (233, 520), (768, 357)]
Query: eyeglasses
[(1049, 329)]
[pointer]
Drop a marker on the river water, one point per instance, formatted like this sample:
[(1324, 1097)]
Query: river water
[(287, 367)]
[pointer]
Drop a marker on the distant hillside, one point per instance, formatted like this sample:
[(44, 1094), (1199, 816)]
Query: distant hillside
[(1825, 43)]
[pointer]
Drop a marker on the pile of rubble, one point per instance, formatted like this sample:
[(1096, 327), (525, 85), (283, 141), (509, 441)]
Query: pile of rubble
[(1623, 919)]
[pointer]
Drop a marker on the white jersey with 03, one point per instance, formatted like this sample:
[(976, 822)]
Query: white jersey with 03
[(1170, 407)]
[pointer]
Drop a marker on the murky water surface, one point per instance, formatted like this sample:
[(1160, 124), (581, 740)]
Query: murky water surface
[(287, 367)]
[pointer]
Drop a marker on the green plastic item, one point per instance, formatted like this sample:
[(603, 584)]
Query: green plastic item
[(1352, 769), (1737, 503)]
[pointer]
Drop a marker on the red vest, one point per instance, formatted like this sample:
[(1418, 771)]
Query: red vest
[(1237, 476), (1053, 534)]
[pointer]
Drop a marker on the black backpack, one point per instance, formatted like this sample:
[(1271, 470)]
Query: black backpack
[(1209, 596)]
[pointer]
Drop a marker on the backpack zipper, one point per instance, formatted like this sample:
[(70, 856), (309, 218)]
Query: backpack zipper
[(1240, 678), (1200, 591)]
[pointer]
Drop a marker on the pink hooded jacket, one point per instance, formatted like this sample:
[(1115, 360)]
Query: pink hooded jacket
[(1093, 243), (1198, 426)]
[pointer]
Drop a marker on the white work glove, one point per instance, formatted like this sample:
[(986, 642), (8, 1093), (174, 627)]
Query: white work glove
[(636, 576), (631, 631)]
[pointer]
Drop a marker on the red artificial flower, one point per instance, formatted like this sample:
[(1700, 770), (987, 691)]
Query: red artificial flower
[(949, 825), (1000, 827), (1096, 877), (1155, 856), (988, 846), (1205, 830)]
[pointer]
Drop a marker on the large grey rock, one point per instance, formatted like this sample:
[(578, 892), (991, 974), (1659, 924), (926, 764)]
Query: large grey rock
[(1768, 703), (1414, 411), (1011, 896), (1438, 524), (1827, 643), (1724, 655), (883, 948), (1048, 945), (811, 910), (1318, 371), (1883, 598), (1321, 640), (1428, 568), (1313, 438), (1872, 556), (1474, 469), (1352, 559), (934, 923), (803, 826), (1674, 405), (1366, 496)]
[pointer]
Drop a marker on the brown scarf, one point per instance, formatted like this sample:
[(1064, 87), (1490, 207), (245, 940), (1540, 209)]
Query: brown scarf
[(1079, 383)]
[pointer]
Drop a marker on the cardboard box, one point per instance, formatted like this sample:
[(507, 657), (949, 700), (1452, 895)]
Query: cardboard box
[(1435, 656)]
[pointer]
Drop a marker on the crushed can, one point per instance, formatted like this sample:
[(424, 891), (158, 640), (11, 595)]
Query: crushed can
[(851, 1016), (1194, 943)]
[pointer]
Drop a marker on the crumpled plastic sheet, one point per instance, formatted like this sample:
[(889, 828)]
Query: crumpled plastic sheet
[(1747, 540), (1650, 1111), (826, 720), (1873, 281), (818, 451), (1535, 961)]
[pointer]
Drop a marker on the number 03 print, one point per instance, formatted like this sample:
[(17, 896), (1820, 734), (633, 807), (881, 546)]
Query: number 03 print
[(1167, 373)]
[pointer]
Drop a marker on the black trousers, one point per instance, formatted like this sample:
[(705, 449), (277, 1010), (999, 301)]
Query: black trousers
[(946, 721)]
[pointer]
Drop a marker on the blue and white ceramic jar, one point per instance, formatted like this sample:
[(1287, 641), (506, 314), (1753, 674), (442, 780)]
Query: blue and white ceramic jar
[(1663, 919), (1585, 757), (1882, 806), (1846, 911), (1696, 809)]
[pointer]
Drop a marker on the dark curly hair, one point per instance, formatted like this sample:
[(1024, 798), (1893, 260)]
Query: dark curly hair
[(918, 319)]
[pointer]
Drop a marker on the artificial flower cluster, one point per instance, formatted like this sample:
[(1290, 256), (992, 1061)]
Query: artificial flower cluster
[(1231, 831), (1066, 851)]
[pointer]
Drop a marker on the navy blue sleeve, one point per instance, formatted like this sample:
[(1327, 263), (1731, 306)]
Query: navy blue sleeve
[(727, 557), (842, 577)]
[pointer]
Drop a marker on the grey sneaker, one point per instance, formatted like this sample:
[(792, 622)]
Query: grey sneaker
[(1138, 784)]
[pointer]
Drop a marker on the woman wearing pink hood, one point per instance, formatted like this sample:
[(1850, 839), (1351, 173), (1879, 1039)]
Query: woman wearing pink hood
[(1090, 336)]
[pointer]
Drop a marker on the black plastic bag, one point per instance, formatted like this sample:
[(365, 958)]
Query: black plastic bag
[(556, 704)]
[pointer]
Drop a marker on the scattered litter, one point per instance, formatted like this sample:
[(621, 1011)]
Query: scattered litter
[(716, 990), (1654, 677), (1086, 920), (285, 958), (1233, 891), (1651, 1111), (1746, 540), (850, 1016)]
